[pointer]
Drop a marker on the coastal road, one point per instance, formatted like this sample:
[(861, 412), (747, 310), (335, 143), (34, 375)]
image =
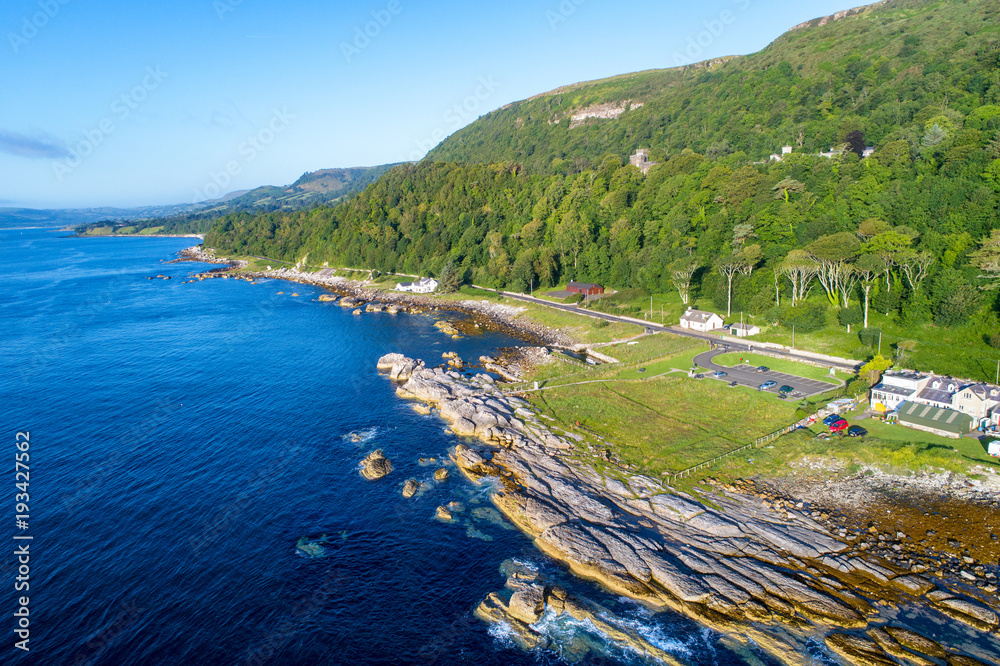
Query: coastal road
[(747, 375), (840, 364)]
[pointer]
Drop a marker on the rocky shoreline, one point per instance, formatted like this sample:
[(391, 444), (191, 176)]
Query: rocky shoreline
[(770, 571), (484, 313)]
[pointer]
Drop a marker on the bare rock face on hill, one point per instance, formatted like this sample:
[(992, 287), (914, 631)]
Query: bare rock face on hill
[(734, 563), (375, 466)]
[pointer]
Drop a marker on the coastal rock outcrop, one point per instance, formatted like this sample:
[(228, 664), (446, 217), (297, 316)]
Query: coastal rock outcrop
[(718, 556), (375, 466), (410, 488)]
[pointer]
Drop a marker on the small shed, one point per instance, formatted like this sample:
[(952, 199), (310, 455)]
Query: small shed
[(586, 288), (744, 330), (940, 421), (700, 320)]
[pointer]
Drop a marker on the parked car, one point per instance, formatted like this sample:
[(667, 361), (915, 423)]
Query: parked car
[(699, 376), (856, 431), (763, 368), (785, 390), (831, 419), (733, 384), (766, 385), (719, 374), (839, 426)]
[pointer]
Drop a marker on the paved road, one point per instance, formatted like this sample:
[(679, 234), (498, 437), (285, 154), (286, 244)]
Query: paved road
[(650, 326), (747, 375)]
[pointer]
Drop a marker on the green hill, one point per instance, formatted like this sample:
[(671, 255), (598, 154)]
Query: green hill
[(884, 70), (901, 242), (312, 189)]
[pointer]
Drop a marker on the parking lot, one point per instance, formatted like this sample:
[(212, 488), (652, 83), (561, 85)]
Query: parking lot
[(747, 375)]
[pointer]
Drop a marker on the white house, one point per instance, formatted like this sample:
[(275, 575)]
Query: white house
[(699, 320), (743, 330), (421, 286), (977, 400)]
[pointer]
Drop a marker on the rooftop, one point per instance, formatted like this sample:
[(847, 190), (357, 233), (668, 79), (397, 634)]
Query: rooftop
[(698, 315), (894, 390), (947, 420)]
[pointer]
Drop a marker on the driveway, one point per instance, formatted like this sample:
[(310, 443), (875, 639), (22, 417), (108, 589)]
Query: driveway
[(747, 375)]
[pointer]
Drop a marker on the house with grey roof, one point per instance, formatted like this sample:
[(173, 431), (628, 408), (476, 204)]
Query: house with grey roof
[(700, 320)]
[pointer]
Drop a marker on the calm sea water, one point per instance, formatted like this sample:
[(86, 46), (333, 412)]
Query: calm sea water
[(186, 437)]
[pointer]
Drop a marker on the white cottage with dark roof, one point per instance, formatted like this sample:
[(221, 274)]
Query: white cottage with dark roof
[(700, 320)]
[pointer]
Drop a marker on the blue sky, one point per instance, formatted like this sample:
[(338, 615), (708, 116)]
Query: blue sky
[(134, 103)]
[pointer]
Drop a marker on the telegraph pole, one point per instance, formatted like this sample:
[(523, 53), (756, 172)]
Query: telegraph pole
[(793, 336), (880, 342)]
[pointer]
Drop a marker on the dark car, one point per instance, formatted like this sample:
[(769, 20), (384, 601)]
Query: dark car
[(719, 374), (785, 390), (839, 426), (733, 384), (699, 376), (766, 385), (831, 419), (856, 431), (763, 368)]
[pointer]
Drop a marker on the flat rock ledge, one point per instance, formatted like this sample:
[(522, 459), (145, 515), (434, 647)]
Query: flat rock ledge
[(733, 563)]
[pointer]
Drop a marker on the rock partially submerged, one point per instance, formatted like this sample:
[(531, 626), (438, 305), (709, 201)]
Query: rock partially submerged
[(735, 564), (410, 488), (375, 466)]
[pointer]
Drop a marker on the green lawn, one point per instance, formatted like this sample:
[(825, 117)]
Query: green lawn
[(149, 231), (896, 450), (666, 424), (651, 347)]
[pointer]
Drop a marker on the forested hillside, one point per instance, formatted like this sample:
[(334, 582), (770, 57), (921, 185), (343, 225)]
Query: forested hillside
[(911, 232), (885, 72)]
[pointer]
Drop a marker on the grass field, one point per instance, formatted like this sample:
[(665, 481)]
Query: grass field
[(665, 424), (651, 346)]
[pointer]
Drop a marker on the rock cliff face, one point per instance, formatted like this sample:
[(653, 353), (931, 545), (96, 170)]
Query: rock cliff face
[(731, 562)]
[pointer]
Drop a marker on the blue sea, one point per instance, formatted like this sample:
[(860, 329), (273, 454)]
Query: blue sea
[(186, 439)]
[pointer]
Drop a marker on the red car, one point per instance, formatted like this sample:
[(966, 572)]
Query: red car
[(838, 426)]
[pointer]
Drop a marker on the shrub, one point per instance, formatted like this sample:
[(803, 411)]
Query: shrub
[(600, 323), (806, 317), (869, 336)]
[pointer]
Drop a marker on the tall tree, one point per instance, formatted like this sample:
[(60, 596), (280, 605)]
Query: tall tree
[(868, 269), (786, 186), (731, 266), (800, 270), (833, 254), (856, 142), (887, 246), (914, 266), (681, 272), (987, 259)]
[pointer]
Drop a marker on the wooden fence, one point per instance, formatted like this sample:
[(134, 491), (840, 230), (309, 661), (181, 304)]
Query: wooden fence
[(760, 441)]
